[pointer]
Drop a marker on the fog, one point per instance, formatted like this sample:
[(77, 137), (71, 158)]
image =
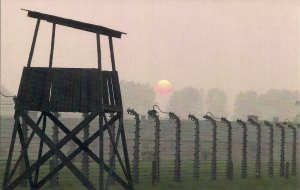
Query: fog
[(232, 45)]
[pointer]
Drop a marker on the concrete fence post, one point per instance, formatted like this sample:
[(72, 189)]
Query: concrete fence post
[(177, 169), (197, 146), (254, 121), (156, 155), (244, 148), (136, 148), (214, 147), (229, 167)]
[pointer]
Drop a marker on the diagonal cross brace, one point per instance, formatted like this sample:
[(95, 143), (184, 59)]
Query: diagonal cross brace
[(86, 149), (22, 141), (54, 149), (22, 152), (74, 154)]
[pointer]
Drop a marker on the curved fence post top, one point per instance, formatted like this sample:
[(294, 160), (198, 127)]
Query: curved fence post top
[(174, 116), (253, 122), (241, 122), (289, 125), (267, 123), (279, 125), (209, 118), (134, 113), (224, 120), (153, 113), (193, 118)]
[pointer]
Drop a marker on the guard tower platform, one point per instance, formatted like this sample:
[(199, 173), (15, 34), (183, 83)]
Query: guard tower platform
[(91, 91)]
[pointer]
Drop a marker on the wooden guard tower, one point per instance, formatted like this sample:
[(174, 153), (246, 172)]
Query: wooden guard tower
[(47, 90)]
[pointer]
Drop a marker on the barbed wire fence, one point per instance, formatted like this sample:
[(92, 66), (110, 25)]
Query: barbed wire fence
[(175, 149)]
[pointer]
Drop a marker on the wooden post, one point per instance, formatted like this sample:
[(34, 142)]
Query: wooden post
[(33, 42), (52, 45), (101, 130), (112, 56), (23, 163)]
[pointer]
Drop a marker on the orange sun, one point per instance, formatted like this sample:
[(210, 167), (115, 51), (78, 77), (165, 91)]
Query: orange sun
[(164, 88)]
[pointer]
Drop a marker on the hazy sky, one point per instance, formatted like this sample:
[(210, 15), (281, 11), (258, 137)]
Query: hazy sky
[(234, 45)]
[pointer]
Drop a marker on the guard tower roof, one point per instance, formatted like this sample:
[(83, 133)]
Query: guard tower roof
[(75, 24)]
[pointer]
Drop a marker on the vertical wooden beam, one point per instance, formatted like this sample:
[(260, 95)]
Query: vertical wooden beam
[(112, 56), (52, 45), (10, 156), (23, 146), (33, 42), (125, 152), (98, 51), (36, 177), (101, 153), (101, 130)]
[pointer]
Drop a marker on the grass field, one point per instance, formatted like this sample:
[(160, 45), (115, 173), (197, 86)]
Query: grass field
[(68, 181)]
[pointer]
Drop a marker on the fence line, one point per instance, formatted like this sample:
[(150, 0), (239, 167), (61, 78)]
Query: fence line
[(201, 148)]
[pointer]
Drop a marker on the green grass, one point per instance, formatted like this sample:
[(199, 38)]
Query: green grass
[(68, 181), (190, 184)]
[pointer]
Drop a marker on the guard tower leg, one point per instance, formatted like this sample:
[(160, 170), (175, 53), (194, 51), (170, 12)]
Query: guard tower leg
[(101, 151), (9, 159), (124, 144)]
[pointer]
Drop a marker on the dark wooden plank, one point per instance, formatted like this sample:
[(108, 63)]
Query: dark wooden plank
[(76, 24), (69, 89), (21, 97), (46, 90), (105, 90), (37, 87), (91, 90), (117, 90), (29, 95), (84, 91), (111, 91), (58, 90), (98, 90), (76, 90)]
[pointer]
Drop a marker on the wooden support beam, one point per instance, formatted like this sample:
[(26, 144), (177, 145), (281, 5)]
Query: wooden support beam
[(98, 51), (112, 55), (33, 42), (52, 45), (75, 24), (22, 142), (58, 152), (10, 155), (55, 148), (22, 152), (36, 176)]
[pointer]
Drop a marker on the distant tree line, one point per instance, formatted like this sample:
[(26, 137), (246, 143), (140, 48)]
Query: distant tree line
[(273, 103)]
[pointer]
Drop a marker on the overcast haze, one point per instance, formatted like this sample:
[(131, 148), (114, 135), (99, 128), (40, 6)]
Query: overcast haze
[(232, 45)]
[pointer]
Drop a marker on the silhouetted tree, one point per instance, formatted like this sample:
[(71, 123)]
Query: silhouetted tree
[(279, 103), (246, 103), (140, 97), (216, 102), (185, 101)]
